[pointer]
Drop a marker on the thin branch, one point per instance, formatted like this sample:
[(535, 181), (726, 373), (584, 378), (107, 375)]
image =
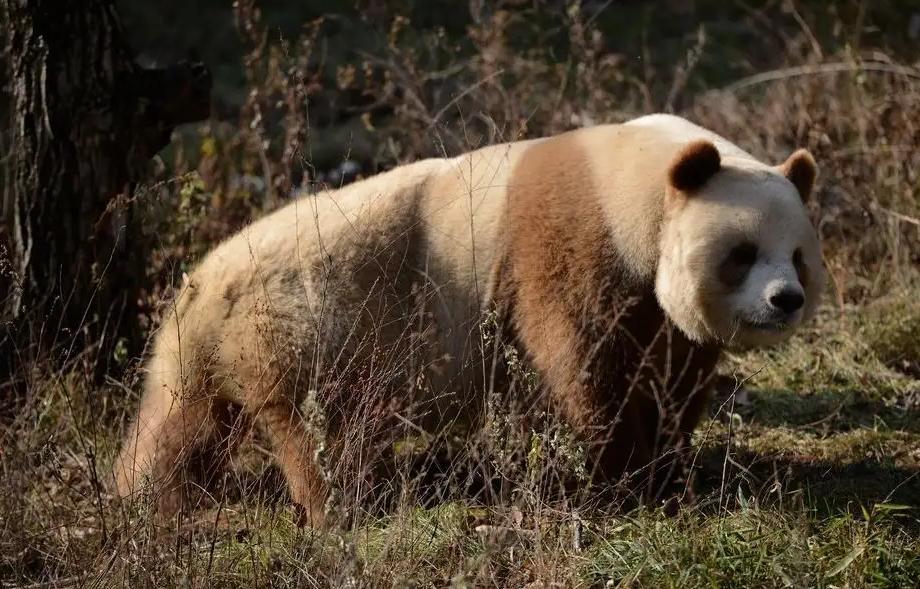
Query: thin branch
[(821, 69)]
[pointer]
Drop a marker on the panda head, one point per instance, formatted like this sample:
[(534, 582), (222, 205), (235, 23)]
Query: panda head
[(740, 263)]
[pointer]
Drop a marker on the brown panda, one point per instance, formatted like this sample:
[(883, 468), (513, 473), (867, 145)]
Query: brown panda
[(624, 258)]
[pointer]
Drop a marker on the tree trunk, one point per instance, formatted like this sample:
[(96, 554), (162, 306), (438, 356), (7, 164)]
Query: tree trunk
[(86, 119)]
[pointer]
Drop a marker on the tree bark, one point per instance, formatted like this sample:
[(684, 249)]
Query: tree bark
[(86, 119)]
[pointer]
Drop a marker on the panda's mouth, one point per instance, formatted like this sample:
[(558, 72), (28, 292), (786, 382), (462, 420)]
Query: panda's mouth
[(765, 325)]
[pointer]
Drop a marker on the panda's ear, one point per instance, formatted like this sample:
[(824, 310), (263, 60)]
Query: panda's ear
[(801, 170), (696, 163)]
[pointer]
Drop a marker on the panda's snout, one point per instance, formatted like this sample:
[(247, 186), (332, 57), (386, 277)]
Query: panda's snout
[(788, 300)]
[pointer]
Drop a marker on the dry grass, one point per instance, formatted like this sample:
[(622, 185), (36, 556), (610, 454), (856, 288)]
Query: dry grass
[(808, 475), (820, 489)]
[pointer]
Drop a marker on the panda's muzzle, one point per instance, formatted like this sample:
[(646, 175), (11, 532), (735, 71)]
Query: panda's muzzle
[(766, 325), (781, 311), (787, 301)]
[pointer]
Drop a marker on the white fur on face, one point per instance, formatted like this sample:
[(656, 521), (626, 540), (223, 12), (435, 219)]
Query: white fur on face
[(729, 259)]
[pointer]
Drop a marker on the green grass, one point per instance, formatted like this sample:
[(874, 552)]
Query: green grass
[(812, 481), (753, 546)]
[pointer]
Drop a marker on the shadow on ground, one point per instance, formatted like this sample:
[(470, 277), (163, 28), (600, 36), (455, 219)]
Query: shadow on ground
[(837, 411), (825, 486)]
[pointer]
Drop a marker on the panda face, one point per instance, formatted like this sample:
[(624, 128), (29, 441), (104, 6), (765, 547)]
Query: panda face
[(740, 262)]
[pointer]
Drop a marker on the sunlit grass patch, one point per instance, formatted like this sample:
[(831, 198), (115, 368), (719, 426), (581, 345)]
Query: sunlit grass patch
[(755, 547), (891, 329)]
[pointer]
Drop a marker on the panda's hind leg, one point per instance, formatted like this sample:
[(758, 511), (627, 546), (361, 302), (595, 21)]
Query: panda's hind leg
[(176, 449), (294, 447)]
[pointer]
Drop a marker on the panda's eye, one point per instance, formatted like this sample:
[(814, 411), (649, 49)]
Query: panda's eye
[(735, 267), (744, 254), (801, 269)]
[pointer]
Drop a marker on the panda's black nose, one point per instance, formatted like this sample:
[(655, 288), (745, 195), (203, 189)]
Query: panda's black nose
[(788, 301)]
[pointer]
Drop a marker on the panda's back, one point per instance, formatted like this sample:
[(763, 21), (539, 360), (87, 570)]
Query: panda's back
[(679, 130)]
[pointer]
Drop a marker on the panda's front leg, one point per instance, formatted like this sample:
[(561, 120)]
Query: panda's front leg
[(617, 432), (673, 480), (624, 446)]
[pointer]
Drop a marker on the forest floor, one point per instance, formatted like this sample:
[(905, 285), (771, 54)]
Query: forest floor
[(808, 475)]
